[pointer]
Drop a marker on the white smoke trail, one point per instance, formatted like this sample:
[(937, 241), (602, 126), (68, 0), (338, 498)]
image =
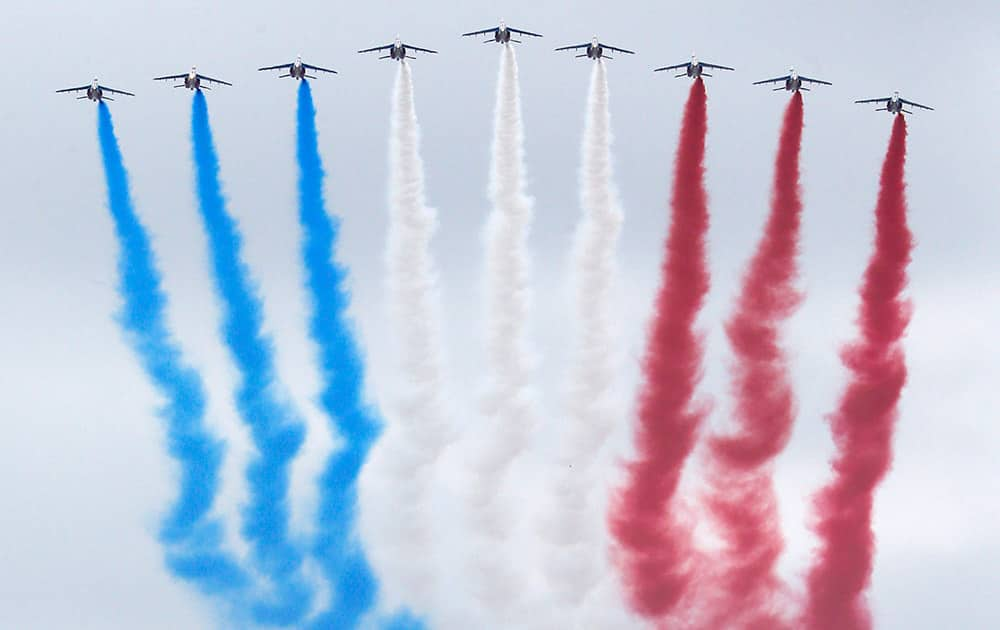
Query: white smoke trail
[(497, 565), (576, 559), (402, 466)]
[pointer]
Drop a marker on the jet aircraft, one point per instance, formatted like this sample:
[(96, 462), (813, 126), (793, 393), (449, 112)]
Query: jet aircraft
[(894, 104), (501, 34), (595, 49), (793, 81), (95, 92), (397, 50), (192, 80), (693, 68), (297, 69)]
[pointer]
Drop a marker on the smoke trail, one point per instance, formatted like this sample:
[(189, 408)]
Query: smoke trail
[(276, 429), (740, 496), (654, 549), (337, 545), (509, 405), (193, 539), (414, 441), (576, 564), (866, 415)]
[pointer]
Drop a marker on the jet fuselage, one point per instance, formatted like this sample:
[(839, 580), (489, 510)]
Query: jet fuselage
[(191, 81), (94, 92), (297, 71)]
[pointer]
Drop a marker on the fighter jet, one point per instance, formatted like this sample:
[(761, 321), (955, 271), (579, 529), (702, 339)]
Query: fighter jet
[(894, 104), (793, 81), (397, 50), (95, 92), (297, 70), (192, 80), (693, 68), (595, 50), (501, 34)]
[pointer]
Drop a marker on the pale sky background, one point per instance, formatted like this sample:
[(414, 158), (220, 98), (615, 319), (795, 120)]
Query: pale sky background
[(83, 471)]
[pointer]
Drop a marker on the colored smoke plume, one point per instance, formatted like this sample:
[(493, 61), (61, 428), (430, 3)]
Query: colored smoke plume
[(654, 550), (865, 417)]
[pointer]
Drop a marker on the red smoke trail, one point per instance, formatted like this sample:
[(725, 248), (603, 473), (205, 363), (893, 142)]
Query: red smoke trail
[(653, 544), (865, 418), (741, 498)]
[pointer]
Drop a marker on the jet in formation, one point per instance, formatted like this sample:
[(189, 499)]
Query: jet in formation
[(192, 80), (693, 68), (501, 34), (894, 104), (297, 69), (95, 92), (793, 81), (397, 50), (595, 50)]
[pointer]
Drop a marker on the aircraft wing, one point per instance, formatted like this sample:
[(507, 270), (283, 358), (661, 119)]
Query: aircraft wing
[(211, 80), (916, 104), (77, 89), (712, 65), (774, 80), (482, 32), (170, 76), (520, 32), (820, 81), (376, 49), (317, 68), (621, 50), (676, 67), (278, 67), (426, 50), (874, 100), (576, 47), (114, 91)]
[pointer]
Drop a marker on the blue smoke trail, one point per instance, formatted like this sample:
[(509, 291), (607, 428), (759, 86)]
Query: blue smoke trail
[(192, 539), (276, 429), (342, 369)]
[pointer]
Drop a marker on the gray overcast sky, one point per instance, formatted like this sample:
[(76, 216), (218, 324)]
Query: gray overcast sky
[(82, 467)]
